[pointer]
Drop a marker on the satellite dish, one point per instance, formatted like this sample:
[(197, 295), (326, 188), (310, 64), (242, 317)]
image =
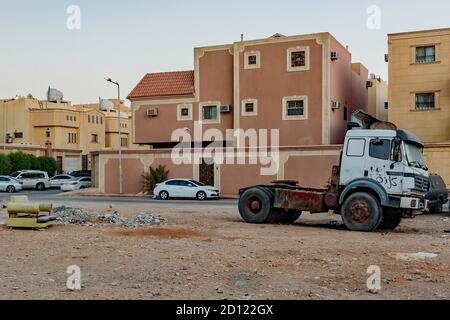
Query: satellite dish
[(54, 94), (106, 104)]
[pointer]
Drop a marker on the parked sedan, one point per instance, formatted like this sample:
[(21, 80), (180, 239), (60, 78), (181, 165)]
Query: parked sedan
[(185, 188), (9, 184), (437, 197), (77, 184), (58, 180)]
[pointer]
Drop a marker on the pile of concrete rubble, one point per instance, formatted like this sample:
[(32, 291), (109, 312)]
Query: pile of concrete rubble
[(68, 215)]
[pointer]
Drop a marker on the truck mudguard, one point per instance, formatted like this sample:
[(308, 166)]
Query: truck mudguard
[(365, 183)]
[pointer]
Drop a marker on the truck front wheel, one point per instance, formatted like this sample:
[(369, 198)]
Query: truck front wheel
[(255, 206), (362, 212)]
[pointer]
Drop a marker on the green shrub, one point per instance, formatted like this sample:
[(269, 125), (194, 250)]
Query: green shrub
[(47, 164), (153, 177), (5, 165), (19, 161)]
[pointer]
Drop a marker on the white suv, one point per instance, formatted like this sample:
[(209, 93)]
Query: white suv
[(32, 179)]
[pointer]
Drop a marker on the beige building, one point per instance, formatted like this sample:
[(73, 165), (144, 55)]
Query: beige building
[(419, 90), (62, 130), (419, 83), (378, 98)]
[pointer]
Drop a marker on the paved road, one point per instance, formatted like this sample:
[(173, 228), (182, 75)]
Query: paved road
[(56, 196)]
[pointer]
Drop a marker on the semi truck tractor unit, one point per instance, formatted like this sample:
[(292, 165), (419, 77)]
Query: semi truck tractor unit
[(382, 177)]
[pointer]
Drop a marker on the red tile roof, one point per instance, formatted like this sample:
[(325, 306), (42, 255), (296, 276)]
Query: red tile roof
[(164, 84)]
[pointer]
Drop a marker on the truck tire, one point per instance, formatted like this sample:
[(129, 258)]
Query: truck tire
[(362, 212), (391, 219), (281, 216), (255, 205)]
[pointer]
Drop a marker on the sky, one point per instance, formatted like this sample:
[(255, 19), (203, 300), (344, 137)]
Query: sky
[(127, 39)]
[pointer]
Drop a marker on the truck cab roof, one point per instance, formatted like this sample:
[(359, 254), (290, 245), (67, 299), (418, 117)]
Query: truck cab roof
[(379, 133)]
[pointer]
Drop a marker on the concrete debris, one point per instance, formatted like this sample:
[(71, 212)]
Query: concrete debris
[(413, 256), (77, 216)]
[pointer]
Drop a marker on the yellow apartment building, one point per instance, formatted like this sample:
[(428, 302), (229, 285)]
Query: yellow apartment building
[(419, 91), (67, 132)]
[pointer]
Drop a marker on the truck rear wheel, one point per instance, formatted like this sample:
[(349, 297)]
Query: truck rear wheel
[(391, 219), (362, 212), (255, 206)]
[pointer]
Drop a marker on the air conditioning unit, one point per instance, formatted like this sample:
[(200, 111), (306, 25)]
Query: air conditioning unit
[(369, 84), (335, 105), (152, 112), (225, 109), (9, 140), (334, 56), (386, 57)]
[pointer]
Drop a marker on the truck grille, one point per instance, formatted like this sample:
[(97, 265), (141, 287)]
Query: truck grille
[(421, 184)]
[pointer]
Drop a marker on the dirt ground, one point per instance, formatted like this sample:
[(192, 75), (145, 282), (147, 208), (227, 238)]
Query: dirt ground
[(211, 254)]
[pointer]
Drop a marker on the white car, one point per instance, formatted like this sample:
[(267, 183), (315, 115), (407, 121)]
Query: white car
[(77, 184), (185, 188), (9, 184), (31, 179), (58, 180)]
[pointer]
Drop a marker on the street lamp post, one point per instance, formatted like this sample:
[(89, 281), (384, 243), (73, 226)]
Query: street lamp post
[(120, 135)]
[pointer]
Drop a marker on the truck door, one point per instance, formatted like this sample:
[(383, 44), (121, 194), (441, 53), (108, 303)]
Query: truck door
[(381, 168), (353, 160)]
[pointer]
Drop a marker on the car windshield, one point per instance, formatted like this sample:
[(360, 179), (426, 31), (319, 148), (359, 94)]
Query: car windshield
[(198, 183), (15, 174), (414, 155)]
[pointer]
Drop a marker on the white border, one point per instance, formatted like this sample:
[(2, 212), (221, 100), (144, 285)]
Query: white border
[(296, 69), (205, 104), (295, 118), (180, 117), (258, 60), (255, 109)]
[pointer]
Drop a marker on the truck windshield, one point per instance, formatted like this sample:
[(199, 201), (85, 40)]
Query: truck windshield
[(414, 155)]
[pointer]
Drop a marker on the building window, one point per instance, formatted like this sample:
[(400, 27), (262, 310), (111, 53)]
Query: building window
[(89, 118), (425, 54), (124, 142), (252, 60), (96, 120), (425, 101), (295, 108), (184, 112), (72, 138), (47, 134), (18, 135), (94, 138), (101, 120), (345, 113), (67, 118), (209, 112), (74, 118), (298, 59), (249, 107)]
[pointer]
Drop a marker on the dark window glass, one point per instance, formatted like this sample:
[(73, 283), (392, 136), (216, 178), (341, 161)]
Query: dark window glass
[(298, 59), (173, 183), (18, 135), (425, 101), (295, 108), (185, 183), (380, 149), (345, 114), (426, 54), (210, 113), (185, 112), (252, 60), (249, 107)]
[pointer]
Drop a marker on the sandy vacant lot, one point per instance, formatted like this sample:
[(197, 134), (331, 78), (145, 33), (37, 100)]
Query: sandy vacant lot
[(211, 254)]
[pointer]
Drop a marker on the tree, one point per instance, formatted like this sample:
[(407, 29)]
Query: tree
[(47, 164), (5, 165), (153, 177), (19, 161)]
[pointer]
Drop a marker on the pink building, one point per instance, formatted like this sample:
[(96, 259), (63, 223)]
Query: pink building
[(305, 86)]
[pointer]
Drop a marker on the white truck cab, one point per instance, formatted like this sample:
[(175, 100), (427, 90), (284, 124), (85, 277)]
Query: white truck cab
[(391, 161)]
